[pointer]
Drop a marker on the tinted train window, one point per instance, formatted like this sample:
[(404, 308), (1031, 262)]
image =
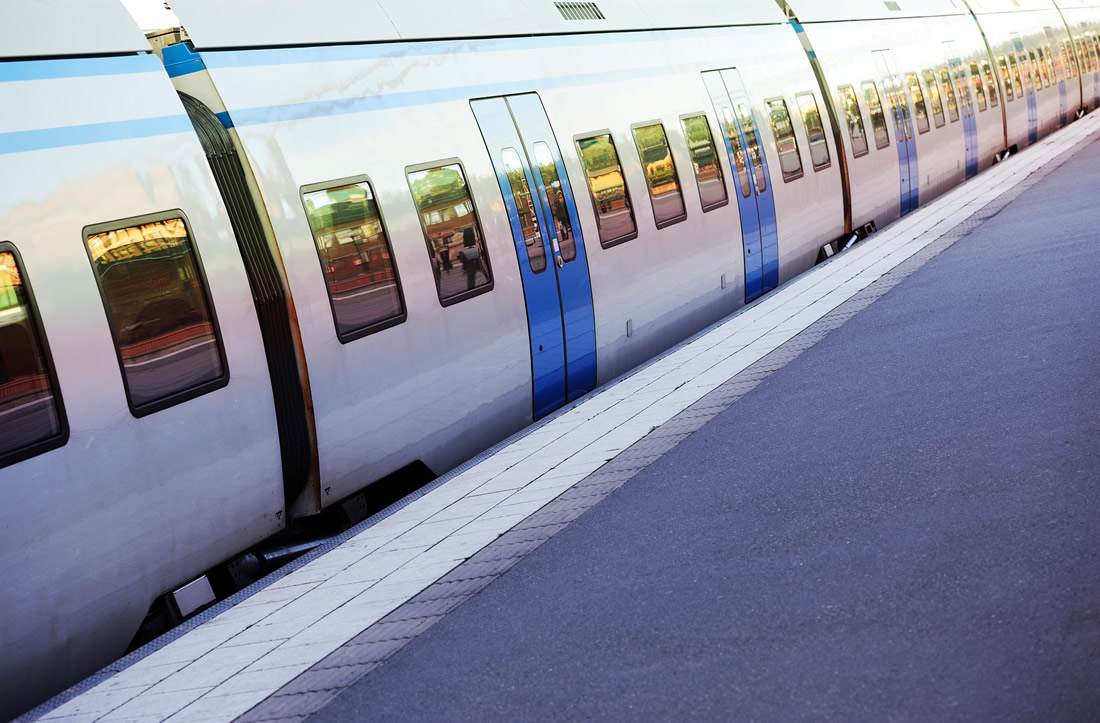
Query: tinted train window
[(990, 83), (849, 104), (920, 110), (878, 118), (740, 163), (356, 258), (660, 174), (525, 208), (607, 188), (785, 142), (1016, 78), (704, 161), (815, 131), (934, 97), (949, 95), (452, 234), (31, 417), (976, 80), (753, 141), (548, 169), (1040, 69), (1006, 78), (161, 318)]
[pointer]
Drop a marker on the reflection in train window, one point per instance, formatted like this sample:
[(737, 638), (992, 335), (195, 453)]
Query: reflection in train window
[(878, 118), (976, 80), (920, 110), (785, 142), (1039, 70), (660, 174), (815, 131), (1016, 78), (990, 83), (356, 257), (849, 105), (452, 235), (1082, 53), (934, 97), (739, 161), (607, 188), (563, 229), (1006, 78), (31, 417), (161, 319), (949, 94), (704, 161), (525, 208), (754, 147)]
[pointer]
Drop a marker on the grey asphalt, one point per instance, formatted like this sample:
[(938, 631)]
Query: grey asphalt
[(901, 524)]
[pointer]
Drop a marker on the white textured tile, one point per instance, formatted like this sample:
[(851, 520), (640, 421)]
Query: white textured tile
[(219, 709)]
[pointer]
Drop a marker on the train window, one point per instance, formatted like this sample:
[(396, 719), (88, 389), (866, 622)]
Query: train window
[(739, 161), (356, 257), (1006, 77), (979, 90), (704, 161), (785, 142), (815, 131), (1065, 61), (749, 127), (1040, 67), (1016, 78), (151, 280), (849, 104), (548, 169), (452, 234), (525, 208), (990, 83), (878, 118), (32, 419), (1082, 53), (949, 94), (607, 188), (920, 110), (934, 97), (1036, 71), (660, 174)]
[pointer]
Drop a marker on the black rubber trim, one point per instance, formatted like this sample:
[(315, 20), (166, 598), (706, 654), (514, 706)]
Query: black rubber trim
[(268, 293)]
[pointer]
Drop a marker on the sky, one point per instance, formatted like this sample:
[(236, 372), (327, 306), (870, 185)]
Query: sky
[(151, 14)]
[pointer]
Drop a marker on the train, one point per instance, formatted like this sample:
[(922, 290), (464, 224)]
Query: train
[(291, 257)]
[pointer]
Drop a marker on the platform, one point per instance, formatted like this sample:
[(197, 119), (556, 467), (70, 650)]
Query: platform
[(898, 521)]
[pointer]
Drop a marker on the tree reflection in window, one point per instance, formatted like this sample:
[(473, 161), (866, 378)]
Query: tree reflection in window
[(786, 143), (355, 257), (660, 174), (525, 208), (614, 214), (454, 241), (29, 411), (704, 161), (157, 307), (849, 104)]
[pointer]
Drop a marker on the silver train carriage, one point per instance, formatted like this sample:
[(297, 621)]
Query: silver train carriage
[(247, 276)]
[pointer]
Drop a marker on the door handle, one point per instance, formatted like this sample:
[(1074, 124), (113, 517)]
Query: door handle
[(560, 261)]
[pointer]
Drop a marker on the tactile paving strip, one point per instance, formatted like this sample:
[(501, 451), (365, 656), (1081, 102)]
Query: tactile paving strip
[(317, 686)]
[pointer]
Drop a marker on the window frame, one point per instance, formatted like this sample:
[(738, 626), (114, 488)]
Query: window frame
[(379, 325), (454, 161), (185, 395), (909, 97), (933, 97), (649, 190), (871, 114), (862, 126), (794, 175), (592, 199), (824, 134), (34, 318), (717, 154)]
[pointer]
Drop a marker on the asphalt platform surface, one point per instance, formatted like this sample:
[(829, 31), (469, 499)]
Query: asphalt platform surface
[(901, 524)]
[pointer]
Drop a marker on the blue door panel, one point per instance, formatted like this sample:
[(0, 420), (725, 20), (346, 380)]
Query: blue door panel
[(765, 200), (539, 289), (746, 206), (573, 279)]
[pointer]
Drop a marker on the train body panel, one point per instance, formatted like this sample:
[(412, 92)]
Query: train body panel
[(192, 481), (403, 260)]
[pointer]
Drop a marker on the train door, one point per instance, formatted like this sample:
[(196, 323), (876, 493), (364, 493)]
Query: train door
[(547, 234), (755, 202), (1029, 91), (966, 102), (904, 136)]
